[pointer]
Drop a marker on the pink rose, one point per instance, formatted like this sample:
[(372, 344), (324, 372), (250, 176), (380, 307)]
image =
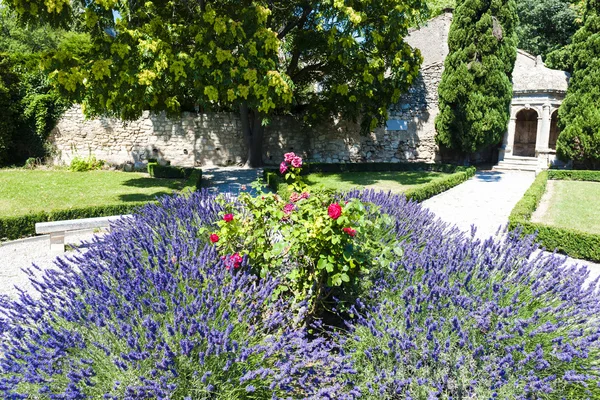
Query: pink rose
[(295, 197), (334, 211), (297, 162), (305, 195), (283, 167), (234, 260), (288, 157), (214, 238), (228, 217), (288, 208), (350, 231)]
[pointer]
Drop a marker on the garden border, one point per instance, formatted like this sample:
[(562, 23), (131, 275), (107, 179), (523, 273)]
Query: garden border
[(459, 174), (12, 228), (571, 242)]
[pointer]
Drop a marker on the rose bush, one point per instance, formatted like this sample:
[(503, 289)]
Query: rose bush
[(313, 244)]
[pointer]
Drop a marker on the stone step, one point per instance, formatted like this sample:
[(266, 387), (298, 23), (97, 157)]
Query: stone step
[(515, 167)]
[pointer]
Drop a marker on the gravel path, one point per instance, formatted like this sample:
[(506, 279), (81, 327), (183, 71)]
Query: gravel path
[(486, 201)]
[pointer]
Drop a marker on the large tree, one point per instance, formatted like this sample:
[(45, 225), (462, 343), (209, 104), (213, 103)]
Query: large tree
[(476, 91), (547, 25), (258, 57), (579, 114)]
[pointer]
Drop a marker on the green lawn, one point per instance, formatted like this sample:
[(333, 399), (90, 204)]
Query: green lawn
[(388, 181), (24, 191), (575, 205)]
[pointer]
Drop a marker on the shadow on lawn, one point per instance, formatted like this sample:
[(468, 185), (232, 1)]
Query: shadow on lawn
[(168, 184), (136, 197), (405, 178)]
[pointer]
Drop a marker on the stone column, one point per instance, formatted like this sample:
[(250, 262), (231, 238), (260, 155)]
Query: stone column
[(543, 134), (509, 139)]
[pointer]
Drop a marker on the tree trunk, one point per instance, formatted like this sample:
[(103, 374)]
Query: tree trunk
[(253, 135)]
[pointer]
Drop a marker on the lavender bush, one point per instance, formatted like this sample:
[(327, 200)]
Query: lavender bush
[(152, 312), (457, 318)]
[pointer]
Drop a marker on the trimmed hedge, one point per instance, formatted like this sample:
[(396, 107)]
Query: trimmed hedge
[(571, 242), (564, 175), (169, 172), (12, 228), (194, 181), (459, 175)]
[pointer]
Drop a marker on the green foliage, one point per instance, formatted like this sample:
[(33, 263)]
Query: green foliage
[(476, 91), (579, 114), (263, 55), (313, 242), (79, 164), (22, 226), (568, 241), (194, 181), (34, 105), (167, 171), (546, 25), (589, 176), (9, 111)]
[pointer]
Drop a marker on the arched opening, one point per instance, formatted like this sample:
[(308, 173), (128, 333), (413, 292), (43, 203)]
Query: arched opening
[(526, 133), (554, 131)]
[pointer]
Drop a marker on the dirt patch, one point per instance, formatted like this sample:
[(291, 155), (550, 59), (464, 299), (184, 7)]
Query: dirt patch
[(540, 214)]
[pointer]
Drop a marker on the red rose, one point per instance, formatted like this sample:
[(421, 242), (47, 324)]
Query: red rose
[(350, 231), (214, 238), (334, 210), (228, 217)]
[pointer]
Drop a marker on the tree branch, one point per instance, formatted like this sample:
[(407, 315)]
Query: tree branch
[(307, 69), (306, 10)]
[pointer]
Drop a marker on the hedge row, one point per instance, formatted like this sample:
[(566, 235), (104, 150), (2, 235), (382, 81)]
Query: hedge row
[(571, 242), (421, 193), (591, 176), (169, 172), (22, 226)]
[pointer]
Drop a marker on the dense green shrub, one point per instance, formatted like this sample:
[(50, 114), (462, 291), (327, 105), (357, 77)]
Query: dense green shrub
[(574, 175), (79, 164), (194, 181), (475, 92), (579, 114), (167, 171), (9, 111), (568, 241), (22, 226)]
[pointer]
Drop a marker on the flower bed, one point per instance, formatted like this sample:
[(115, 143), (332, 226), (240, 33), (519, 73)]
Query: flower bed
[(571, 242), (363, 295)]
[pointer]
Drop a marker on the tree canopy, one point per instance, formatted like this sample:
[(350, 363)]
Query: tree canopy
[(476, 91), (547, 25), (30, 105), (261, 57), (579, 114)]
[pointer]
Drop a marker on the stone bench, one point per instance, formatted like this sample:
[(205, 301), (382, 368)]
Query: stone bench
[(58, 229)]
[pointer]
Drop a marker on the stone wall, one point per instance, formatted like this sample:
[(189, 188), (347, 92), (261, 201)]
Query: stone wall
[(205, 139)]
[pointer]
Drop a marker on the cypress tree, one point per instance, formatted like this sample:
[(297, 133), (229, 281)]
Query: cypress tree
[(579, 114), (476, 90)]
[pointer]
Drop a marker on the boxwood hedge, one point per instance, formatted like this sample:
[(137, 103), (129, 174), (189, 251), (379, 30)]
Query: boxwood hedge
[(458, 175), (567, 241)]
